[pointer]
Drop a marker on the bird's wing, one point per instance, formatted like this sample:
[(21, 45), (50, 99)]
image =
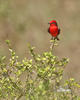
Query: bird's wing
[(59, 31), (49, 30)]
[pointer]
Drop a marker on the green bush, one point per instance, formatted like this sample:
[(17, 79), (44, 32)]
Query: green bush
[(44, 74)]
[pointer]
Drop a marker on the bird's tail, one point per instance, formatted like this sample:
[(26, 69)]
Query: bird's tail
[(56, 38)]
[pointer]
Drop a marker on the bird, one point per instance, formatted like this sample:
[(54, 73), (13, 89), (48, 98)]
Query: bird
[(53, 29)]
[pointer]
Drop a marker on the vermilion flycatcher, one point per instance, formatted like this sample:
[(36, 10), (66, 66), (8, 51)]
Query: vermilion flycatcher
[(53, 29)]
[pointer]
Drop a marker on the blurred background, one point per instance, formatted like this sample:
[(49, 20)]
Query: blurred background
[(26, 21)]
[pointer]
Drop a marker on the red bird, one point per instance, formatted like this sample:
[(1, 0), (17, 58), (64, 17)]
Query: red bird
[(53, 29)]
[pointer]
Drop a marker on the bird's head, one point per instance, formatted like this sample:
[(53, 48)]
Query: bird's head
[(53, 22)]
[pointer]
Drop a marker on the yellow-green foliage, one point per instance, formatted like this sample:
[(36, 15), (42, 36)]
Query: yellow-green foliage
[(43, 77)]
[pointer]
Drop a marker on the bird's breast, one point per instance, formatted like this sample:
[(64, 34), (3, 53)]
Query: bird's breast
[(53, 30)]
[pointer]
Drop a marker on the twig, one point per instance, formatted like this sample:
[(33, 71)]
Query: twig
[(53, 43)]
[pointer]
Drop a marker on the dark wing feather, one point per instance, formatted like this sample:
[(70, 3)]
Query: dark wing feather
[(59, 31), (49, 30)]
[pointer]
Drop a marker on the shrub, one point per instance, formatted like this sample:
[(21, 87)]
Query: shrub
[(44, 74)]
